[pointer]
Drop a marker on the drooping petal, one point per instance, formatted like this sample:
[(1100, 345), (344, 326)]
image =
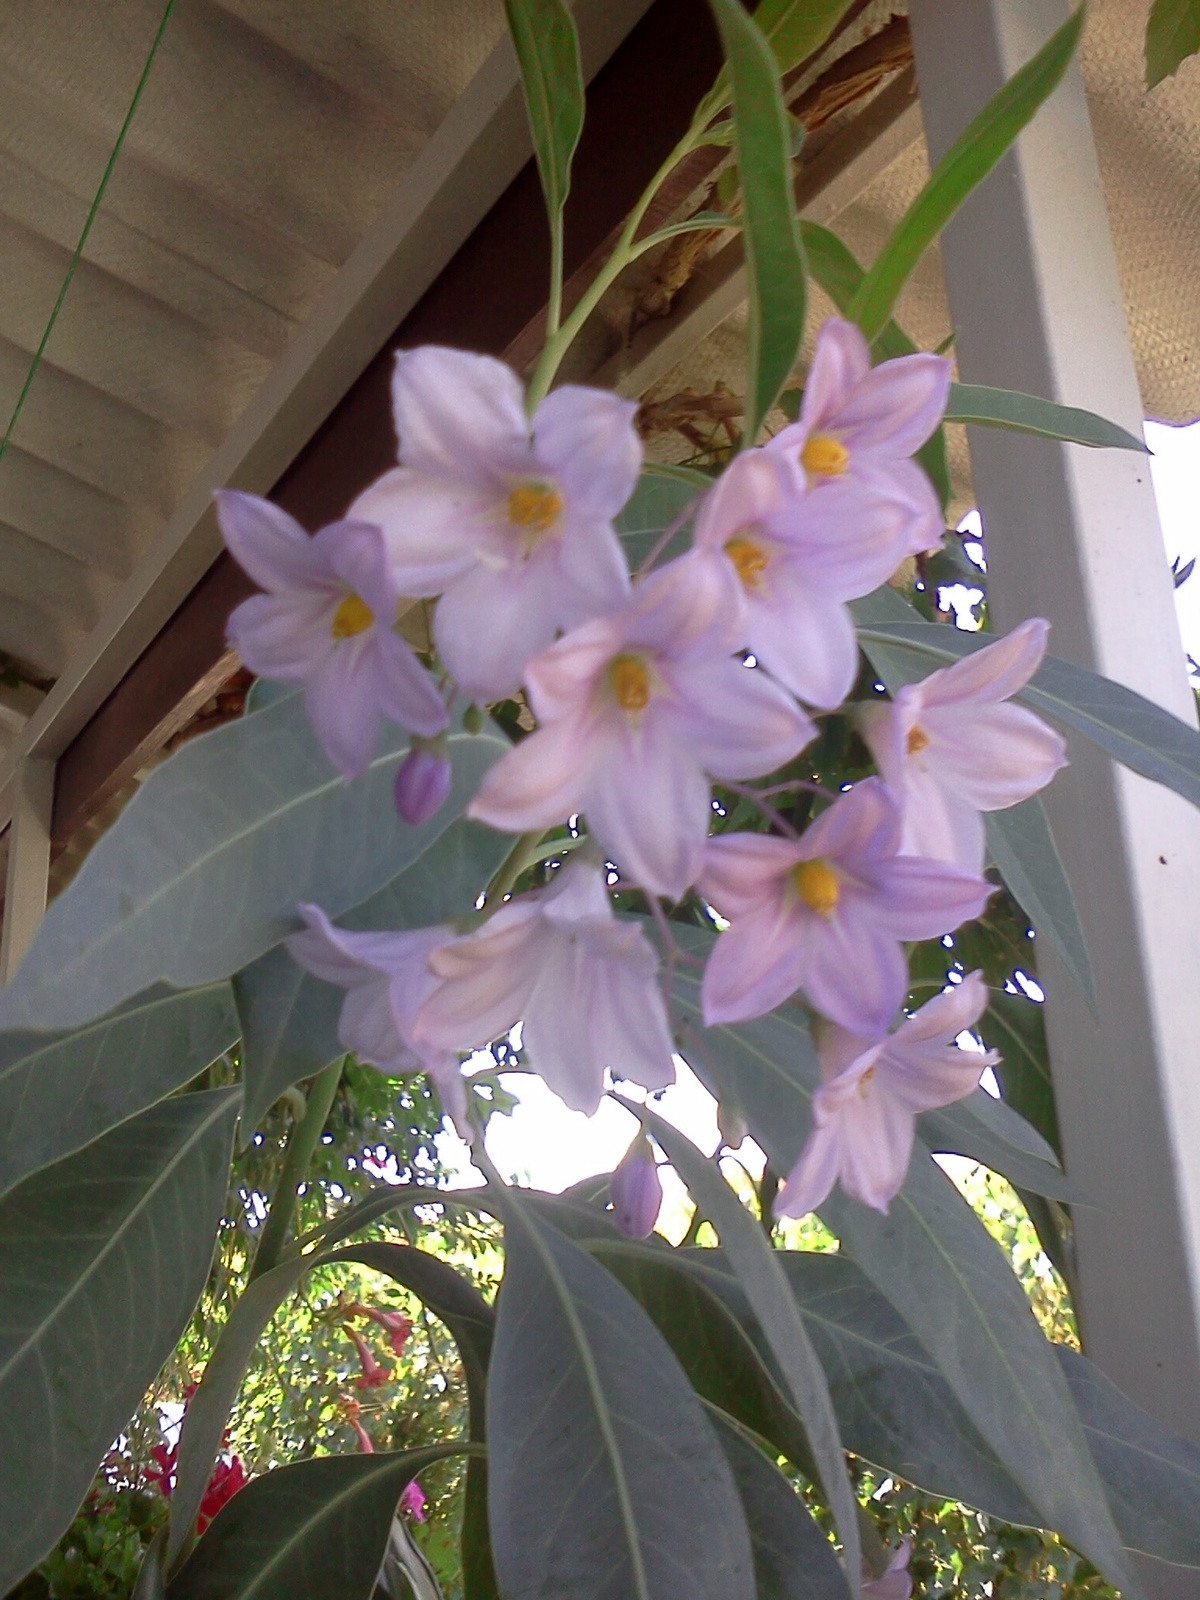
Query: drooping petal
[(593, 573), (855, 972), (804, 639), (814, 1175), (938, 824), (488, 978), (542, 780), (267, 543), (343, 706), (489, 624), (459, 415), (993, 673), (648, 805), (916, 898), (756, 964), (875, 1138), (433, 527), (285, 637), (862, 825), (948, 1014), (992, 755), (405, 692), (337, 955), (736, 721), (851, 537), (587, 441), (632, 1033), (742, 870), (557, 1030), (895, 407)]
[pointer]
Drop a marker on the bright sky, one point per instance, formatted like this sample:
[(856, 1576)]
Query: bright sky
[(546, 1145)]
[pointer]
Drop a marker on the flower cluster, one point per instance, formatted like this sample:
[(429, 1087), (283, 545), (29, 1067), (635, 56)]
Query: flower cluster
[(645, 692)]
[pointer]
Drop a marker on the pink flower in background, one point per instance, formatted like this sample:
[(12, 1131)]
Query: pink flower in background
[(387, 978), (397, 1326), (227, 1478), (896, 1581), (637, 711), (950, 748), (636, 1190), (509, 520), (826, 913), (583, 984), (859, 425), (872, 1090), (352, 1412), (374, 1374), (796, 557), (413, 1501), (327, 621)]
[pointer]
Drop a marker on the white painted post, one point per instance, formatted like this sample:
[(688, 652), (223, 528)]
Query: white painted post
[(1073, 534), (28, 860)]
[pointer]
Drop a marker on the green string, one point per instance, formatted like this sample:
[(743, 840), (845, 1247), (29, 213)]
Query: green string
[(87, 228)]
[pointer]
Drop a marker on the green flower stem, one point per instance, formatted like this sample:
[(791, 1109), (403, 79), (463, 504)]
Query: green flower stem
[(300, 1147), (523, 854)]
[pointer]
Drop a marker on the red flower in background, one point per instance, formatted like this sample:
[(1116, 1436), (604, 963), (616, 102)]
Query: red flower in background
[(228, 1477)]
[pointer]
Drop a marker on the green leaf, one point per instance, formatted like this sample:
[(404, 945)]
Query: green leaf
[(1026, 413), (605, 1477), (720, 1360), (547, 47), (1015, 1025), (103, 1257), (152, 1578), (968, 161), (208, 1410), (59, 1091), (202, 871), (659, 499), (753, 1260), (796, 28), (289, 1018), (989, 1131), (1022, 846), (1152, 1475), (311, 1531), (1172, 34), (1130, 728), (774, 260), (938, 1266), (792, 1557)]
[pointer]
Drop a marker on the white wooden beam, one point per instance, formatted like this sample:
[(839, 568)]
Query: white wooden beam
[(467, 164), (1073, 534), (28, 860)]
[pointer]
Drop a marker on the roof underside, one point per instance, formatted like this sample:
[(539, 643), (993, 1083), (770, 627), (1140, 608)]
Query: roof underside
[(268, 136)]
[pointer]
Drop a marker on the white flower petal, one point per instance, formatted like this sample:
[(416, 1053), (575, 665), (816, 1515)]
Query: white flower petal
[(585, 438)]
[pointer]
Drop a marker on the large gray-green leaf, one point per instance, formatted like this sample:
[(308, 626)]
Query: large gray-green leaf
[(208, 1409), (774, 260), (58, 1091), (933, 1259), (993, 1133), (1151, 1474), (102, 1257), (968, 161), (202, 871), (313, 1531), (606, 1481), (1132, 729), (1014, 1025), (1026, 413), (659, 500), (1022, 846), (289, 1018), (754, 1261)]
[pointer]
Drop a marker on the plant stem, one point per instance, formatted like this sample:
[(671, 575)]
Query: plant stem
[(514, 864), (300, 1146)]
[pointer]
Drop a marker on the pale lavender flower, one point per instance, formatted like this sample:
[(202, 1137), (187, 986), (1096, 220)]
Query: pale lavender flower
[(859, 425), (826, 913), (582, 984), (327, 621), (950, 749), (637, 711), (509, 520), (636, 1190), (795, 557), (387, 978), (896, 1580), (423, 781), (872, 1089)]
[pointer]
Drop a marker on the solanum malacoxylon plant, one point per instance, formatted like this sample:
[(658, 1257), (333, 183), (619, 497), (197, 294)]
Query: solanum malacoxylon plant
[(669, 842)]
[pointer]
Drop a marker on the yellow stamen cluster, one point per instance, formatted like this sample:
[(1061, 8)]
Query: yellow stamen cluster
[(630, 682), (817, 885), (916, 741), (536, 507), (748, 557), (824, 456), (353, 616)]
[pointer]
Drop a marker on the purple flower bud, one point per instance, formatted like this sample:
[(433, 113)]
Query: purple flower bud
[(423, 782), (636, 1191)]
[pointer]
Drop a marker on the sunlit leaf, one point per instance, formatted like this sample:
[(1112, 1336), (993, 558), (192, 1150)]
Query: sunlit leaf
[(1172, 35), (102, 1257)]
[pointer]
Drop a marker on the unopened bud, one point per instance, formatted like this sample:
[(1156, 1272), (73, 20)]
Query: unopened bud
[(472, 720), (423, 781), (731, 1124), (636, 1191)]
